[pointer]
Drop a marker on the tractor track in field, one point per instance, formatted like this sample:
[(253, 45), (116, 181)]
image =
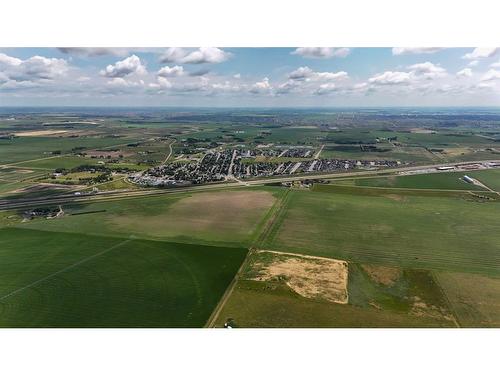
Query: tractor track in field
[(67, 268)]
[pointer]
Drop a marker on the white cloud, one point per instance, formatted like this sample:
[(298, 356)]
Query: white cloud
[(202, 55), (161, 83), (35, 68), (9, 60), (175, 71), (325, 88), (481, 53), (495, 65), (415, 50), (473, 63), (125, 67), (237, 76), (261, 87), (467, 72), (288, 86), (427, 70), (173, 54), (491, 75), (306, 73), (321, 52), (390, 78), (301, 73), (225, 86), (121, 82)]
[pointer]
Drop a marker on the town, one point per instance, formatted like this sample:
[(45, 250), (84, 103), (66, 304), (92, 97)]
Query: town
[(230, 164)]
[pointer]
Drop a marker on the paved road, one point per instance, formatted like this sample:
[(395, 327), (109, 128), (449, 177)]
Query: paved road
[(111, 195)]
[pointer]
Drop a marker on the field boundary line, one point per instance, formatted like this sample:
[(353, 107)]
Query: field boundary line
[(448, 302), (268, 222), (63, 270), (272, 220), (216, 312)]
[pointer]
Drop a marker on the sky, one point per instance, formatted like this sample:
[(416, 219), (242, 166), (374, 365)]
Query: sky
[(250, 77)]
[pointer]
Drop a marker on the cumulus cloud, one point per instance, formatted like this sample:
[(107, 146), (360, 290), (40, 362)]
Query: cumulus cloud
[(161, 83), (306, 73), (427, 70), (288, 86), (390, 78), (467, 72), (125, 67), (34, 69), (261, 87), (325, 88), (491, 75), (225, 86), (481, 53), (237, 76), (175, 71), (321, 52), (122, 82), (202, 55), (301, 73), (9, 60), (415, 50), (473, 63)]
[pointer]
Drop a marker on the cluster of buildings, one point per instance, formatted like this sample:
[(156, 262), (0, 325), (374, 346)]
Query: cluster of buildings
[(243, 164)]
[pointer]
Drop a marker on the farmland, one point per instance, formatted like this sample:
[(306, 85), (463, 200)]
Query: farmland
[(206, 218), (412, 299), (392, 228), (449, 180), (75, 280), (249, 218)]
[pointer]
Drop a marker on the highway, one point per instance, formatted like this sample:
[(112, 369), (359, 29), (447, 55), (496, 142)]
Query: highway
[(123, 194)]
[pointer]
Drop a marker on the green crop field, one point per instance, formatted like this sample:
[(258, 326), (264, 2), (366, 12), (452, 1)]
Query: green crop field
[(416, 231), (52, 279), (226, 217), (29, 148), (475, 299), (447, 180)]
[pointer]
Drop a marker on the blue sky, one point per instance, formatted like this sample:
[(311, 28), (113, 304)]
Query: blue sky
[(225, 77)]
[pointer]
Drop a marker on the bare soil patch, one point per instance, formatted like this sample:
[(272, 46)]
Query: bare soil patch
[(215, 216), (382, 274), (421, 308), (209, 210), (39, 133), (308, 276)]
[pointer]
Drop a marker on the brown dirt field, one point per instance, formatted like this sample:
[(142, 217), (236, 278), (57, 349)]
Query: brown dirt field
[(40, 133), (215, 208), (43, 187), (382, 274), (215, 216), (310, 277)]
